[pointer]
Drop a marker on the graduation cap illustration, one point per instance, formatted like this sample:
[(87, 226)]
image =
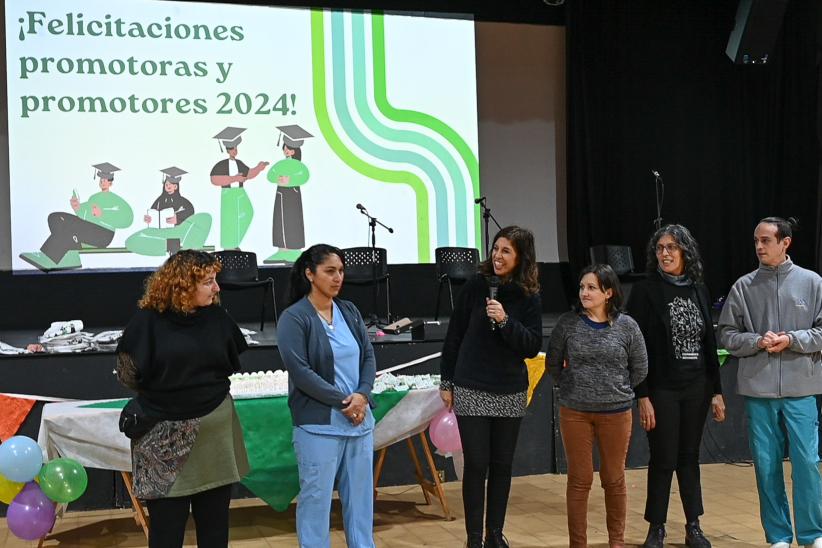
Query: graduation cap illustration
[(173, 175), (230, 137), (293, 136), (105, 171)]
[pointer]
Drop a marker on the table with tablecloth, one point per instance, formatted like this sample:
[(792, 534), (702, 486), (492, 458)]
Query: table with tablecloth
[(88, 433)]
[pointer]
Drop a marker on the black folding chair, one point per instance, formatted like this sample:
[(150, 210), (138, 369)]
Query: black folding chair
[(454, 264), (240, 272)]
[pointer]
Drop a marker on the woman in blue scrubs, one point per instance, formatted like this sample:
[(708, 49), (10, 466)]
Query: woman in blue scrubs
[(324, 344)]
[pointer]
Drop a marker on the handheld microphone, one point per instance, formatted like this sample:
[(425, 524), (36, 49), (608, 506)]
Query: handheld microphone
[(361, 207), (655, 173), (479, 200), (493, 288)]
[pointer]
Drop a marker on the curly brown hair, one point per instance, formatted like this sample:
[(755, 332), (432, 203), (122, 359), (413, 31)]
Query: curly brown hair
[(173, 285), (526, 273)]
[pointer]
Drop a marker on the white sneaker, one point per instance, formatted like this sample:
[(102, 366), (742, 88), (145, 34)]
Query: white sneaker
[(816, 544), (781, 545)]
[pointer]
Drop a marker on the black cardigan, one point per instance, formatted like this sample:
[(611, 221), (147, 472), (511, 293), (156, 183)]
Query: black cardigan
[(475, 356), (647, 306)]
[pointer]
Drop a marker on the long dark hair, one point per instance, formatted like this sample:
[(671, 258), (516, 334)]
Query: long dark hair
[(298, 284), (607, 279), (526, 273), (686, 242)]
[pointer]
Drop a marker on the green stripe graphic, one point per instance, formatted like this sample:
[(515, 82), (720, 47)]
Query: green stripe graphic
[(425, 120), (455, 176), (347, 156), (373, 149)]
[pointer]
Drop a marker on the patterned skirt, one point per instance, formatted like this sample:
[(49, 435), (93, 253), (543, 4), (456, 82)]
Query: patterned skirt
[(469, 402), (180, 458)]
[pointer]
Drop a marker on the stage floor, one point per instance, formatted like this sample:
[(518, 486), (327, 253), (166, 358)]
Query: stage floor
[(536, 517), (268, 336)]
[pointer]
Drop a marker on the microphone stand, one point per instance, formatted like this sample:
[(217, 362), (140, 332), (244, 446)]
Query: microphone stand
[(373, 318), (659, 188), (486, 216)]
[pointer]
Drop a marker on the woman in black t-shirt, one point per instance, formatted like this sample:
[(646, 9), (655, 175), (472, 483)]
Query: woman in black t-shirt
[(672, 308)]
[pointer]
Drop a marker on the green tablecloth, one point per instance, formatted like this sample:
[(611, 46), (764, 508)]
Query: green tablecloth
[(267, 431)]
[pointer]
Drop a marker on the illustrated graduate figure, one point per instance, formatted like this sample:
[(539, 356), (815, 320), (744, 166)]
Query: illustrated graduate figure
[(230, 174), (289, 174), (173, 224), (92, 225)]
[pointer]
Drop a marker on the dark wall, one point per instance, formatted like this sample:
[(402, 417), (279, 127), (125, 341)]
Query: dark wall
[(650, 87)]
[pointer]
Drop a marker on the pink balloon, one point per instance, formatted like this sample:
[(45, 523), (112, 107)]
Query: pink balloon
[(432, 426), (444, 432), (31, 514)]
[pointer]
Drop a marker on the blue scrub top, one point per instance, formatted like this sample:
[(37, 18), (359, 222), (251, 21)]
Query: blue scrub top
[(346, 378)]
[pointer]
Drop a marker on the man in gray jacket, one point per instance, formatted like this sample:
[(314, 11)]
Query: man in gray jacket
[(772, 321)]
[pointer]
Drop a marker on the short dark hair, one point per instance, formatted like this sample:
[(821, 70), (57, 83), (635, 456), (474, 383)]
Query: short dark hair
[(784, 227), (526, 273), (607, 279), (299, 286), (686, 242)]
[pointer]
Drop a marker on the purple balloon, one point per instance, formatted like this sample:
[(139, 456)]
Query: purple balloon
[(445, 434), (31, 514)]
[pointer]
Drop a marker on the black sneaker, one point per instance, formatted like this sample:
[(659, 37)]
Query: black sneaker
[(495, 539), (656, 536), (694, 536), (474, 540)]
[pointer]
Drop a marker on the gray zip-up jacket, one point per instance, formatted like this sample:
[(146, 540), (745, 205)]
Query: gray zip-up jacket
[(783, 298)]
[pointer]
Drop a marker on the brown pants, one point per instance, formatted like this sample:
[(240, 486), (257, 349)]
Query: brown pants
[(612, 431)]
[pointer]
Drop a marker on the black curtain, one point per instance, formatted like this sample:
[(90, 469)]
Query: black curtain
[(650, 87)]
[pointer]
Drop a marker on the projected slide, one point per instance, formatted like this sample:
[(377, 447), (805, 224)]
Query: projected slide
[(137, 128)]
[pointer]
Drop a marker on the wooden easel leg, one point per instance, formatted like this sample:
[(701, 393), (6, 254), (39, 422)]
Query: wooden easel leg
[(378, 469), (424, 483), (139, 512), (437, 491)]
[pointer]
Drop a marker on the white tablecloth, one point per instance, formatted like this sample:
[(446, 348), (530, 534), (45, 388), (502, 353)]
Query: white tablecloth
[(91, 435)]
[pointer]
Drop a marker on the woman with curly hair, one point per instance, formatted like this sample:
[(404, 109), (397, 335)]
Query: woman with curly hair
[(484, 377), (177, 353), (672, 308)]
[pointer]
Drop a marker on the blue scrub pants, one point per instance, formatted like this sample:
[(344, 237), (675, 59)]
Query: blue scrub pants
[(323, 460), (801, 419)]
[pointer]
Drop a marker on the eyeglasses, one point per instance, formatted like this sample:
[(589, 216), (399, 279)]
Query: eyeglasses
[(670, 248)]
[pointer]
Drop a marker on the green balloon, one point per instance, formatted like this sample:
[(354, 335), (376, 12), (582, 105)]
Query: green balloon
[(63, 480), (295, 170)]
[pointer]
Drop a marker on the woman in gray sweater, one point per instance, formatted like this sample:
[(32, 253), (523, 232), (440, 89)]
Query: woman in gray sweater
[(596, 356)]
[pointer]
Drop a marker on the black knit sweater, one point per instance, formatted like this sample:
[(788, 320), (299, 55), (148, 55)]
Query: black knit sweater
[(476, 356), (182, 362)]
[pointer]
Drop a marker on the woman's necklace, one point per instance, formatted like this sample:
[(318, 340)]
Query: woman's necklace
[(328, 321)]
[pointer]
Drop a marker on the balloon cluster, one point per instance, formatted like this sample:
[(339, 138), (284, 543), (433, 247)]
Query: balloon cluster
[(33, 489), (444, 433)]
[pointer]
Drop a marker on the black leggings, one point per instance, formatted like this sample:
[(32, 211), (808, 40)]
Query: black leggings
[(674, 446), (210, 511), (488, 445)]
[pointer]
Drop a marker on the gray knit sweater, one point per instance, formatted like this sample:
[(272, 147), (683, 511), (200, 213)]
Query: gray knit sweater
[(602, 366)]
